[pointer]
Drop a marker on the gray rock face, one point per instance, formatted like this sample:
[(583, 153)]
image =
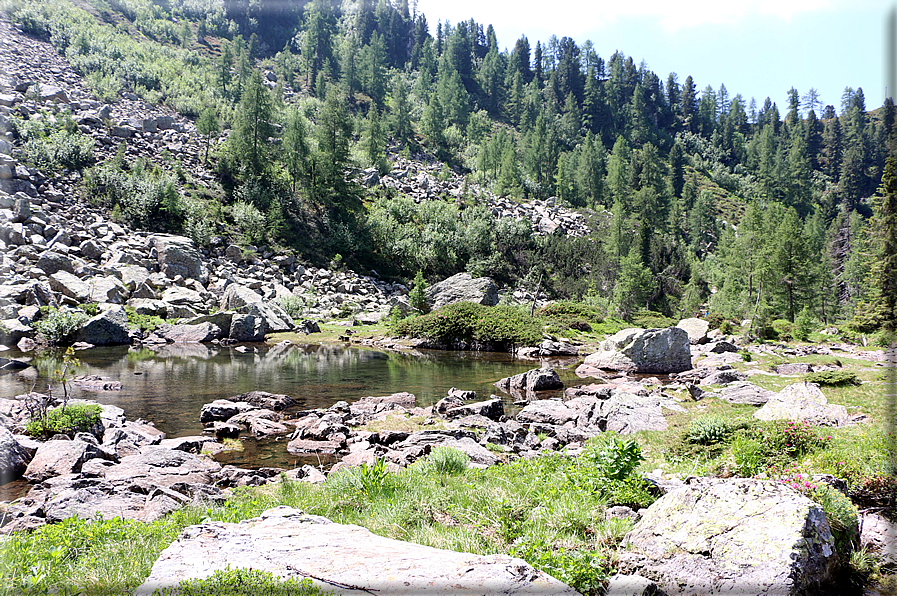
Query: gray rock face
[(743, 392), (538, 379), (696, 329), (107, 328), (548, 411), (13, 457), (492, 409), (177, 255), (737, 536), (55, 458), (288, 543), (803, 402), (644, 350), (462, 288), (202, 332)]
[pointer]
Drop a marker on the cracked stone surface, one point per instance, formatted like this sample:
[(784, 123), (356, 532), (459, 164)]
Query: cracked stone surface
[(346, 559), (736, 536)]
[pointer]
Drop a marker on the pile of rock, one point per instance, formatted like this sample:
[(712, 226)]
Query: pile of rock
[(422, 182)]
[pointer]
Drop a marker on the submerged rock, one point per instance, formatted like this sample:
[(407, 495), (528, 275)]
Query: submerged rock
[(344, 558)]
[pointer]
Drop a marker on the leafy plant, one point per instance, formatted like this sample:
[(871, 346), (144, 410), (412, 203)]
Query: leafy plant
[(56, 326), (616, 457), (293, 305), (585, 570), (243, 582), (65, 420), (707, 430), (465, 322), (748, 455), (841, 514), (146, 323)]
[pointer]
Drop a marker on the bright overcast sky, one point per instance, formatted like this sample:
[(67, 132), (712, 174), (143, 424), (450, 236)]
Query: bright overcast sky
[(758, 48)]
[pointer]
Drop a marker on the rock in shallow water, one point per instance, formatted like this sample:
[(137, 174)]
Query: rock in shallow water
[(288, 543)]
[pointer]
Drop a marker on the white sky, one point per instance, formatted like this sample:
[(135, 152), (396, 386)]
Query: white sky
[(758, 48)]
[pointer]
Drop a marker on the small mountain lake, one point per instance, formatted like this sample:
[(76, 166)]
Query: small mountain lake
[(169, 384)]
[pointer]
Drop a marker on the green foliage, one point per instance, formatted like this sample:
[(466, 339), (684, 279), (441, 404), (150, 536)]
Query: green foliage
[(446, 460), (748, 455), (475, 324), (615, 457), (833, 377), (417, 297), (250, 221), (65, 420), (707, 430), (842, 516), (243, 582), (60, 150), (63, 558), (146, 195), (783, 330), (804, 325), (57, 325), (293, 305), (647, 319), (91, 308), (146, 323), (580, 316), (586, 570)]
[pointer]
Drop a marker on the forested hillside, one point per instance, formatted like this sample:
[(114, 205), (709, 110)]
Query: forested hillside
[(699, 198)]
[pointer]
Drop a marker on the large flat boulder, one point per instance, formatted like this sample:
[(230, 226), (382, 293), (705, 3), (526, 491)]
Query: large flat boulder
[(462, 288), (736, 536), (657, 351), (350, 559), (56, 458), (803, 402)]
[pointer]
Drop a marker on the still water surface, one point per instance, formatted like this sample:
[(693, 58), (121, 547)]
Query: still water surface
[(169, 385)]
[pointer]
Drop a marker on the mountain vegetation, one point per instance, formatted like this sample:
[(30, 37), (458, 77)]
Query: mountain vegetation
[(700, 199)]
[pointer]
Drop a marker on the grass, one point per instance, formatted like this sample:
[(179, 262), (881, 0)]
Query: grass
[(549, 510)]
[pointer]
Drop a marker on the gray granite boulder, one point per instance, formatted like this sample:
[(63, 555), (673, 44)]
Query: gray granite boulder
[(177, 255), (13, 457), (696, 328), (656, 351), (55, 458), (344, 558), (462, 288), (803, 402), (538, 379), (107, 328), (735, 536), (743, 392)]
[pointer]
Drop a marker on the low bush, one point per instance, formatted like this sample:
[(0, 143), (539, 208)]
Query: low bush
[(66, 420), (243, 582), (783, 329), (832, 377), (707, 430), (57, 325), (146, 323), (293, 305), (841, 514), (60, 150), (466, 323)]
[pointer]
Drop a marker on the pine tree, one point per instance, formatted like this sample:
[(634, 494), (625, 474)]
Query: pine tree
[(207, 125), (295, 148), (254, 126), (400, 112)]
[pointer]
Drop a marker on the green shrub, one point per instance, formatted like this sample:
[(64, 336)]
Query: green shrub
[(832, 377), (243, 582), (615, 457), (585, 570), (447, 460), (61, 149), (293, 305), (841, 514), (57, 325), (70, 419), (146, 323), (784, 330), (804, 325), (786, 440), (707, 430), (250, 221), (569, 314), (91, 308), (501, 327)]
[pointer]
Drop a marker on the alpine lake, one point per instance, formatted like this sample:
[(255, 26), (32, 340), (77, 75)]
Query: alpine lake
[(168, 384)]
